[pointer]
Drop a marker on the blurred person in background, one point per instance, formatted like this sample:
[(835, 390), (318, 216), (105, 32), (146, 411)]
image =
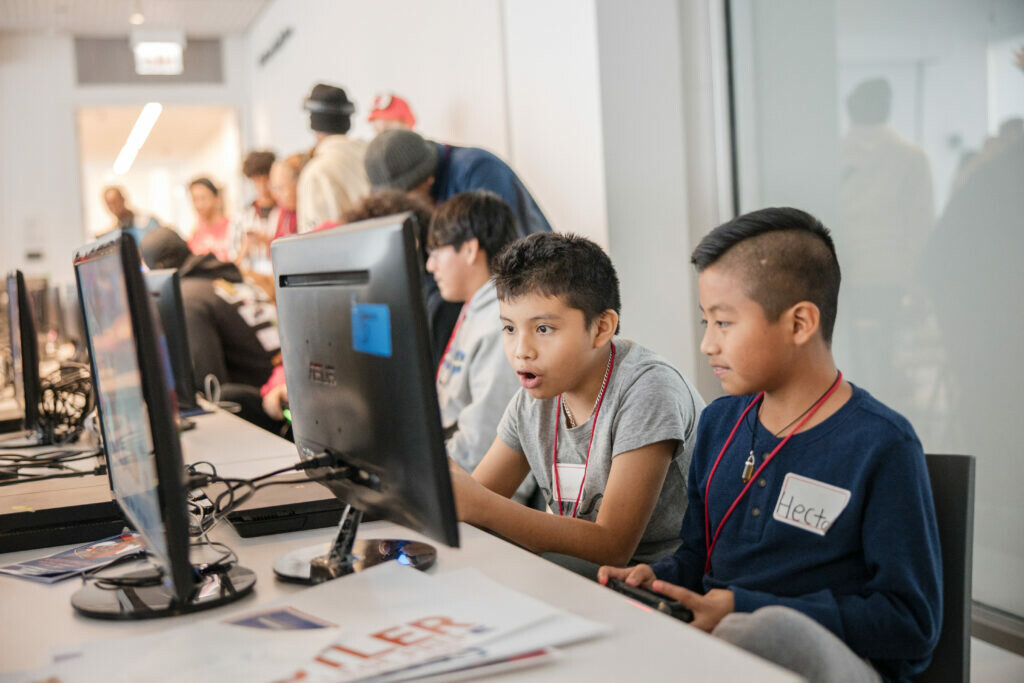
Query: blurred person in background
[(400, 159), (129, 220), (255, 225), (284, 182), (887, 209), (231, 325), (391, 111), (212, 234), (334, 179)]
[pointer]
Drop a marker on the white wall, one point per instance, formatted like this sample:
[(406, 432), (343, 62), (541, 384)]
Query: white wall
[(40, 179), (639, 50), (444, 57), (554, 110), (38, 163)]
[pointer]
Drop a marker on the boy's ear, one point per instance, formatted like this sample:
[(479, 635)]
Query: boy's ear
[(804, 321), (470, 250), (605, 326)]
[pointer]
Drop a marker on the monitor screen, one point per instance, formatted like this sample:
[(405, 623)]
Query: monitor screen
[(131, 456), (357, 364)]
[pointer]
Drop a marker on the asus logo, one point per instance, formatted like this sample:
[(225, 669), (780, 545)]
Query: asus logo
[(322, 374)]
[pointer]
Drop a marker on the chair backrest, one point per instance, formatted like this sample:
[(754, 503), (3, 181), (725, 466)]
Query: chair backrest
[(952, 478)]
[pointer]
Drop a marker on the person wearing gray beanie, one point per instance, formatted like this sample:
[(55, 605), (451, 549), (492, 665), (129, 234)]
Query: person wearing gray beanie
[(334, 180), (402, 160)]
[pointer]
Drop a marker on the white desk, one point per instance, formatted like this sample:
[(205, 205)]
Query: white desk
[(37, 618)]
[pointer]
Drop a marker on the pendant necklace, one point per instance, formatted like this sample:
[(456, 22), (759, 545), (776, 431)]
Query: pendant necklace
[(748, 466)]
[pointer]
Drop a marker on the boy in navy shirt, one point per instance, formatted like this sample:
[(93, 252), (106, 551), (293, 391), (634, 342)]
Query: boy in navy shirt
[(810, 538)]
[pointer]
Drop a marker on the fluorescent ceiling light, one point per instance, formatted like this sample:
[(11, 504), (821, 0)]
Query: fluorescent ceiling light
[(137, 138)]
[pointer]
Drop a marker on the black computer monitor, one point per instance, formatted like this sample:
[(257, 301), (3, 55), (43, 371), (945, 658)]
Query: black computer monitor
[(360, 382), (71, 328), (137, 421), (24, 354), (165, 287)]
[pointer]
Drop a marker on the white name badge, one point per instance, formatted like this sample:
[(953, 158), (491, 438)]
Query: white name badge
[(809, 504), (570, 481)]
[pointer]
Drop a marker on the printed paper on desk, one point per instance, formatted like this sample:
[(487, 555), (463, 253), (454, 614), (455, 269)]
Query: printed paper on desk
[(67, 563), (464, 610), (809, 504), (561, 629), (365, 604)]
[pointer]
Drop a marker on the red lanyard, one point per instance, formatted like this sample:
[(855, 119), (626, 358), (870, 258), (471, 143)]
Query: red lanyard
[(586, 464), (709, 541), (451, 339)]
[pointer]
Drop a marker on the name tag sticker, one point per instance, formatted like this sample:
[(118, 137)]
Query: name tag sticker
[(809, 504), (570, 481), (371, 329)]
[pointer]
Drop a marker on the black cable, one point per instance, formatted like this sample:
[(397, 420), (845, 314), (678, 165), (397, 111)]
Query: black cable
[(99, 469), (198, 479), (49, 457)]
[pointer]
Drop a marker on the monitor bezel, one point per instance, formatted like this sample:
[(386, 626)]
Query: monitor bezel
[(167, 449), (31, 385), (165, 284)]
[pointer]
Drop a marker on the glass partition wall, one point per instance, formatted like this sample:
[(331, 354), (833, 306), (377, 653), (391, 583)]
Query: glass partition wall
[(901, 126)]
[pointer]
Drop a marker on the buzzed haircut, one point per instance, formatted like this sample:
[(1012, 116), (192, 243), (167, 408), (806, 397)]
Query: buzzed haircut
[(783, 256), (477, 214), (556, 264), (257, 164)]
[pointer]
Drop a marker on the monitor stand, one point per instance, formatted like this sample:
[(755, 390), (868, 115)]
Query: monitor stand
[(319, 563), (139, 593)]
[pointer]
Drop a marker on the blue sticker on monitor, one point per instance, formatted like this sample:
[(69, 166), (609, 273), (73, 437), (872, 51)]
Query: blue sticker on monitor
[(371, 329)]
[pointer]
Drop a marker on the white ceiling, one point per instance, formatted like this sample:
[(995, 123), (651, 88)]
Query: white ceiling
[(110, 17), (180, 131)]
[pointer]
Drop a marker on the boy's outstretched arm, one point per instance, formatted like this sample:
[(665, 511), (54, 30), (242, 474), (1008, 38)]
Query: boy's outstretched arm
[(634, 484)]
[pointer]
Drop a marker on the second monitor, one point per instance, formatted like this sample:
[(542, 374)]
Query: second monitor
[(361, 387)]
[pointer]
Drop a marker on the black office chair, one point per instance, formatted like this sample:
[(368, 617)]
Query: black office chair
[(952, 478)]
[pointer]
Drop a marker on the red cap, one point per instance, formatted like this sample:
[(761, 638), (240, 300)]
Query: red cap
[(392, 108)]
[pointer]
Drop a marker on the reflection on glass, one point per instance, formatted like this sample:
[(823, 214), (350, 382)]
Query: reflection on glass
[(901, 126)]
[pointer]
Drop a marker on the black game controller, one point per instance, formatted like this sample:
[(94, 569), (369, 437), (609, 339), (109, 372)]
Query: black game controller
[(663, 604)]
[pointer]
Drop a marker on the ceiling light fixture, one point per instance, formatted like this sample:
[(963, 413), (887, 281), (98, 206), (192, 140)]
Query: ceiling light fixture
[(137, 18), (137, 138), (158, 52)]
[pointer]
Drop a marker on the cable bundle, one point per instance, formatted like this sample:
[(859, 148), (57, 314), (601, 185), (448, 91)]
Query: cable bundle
[(66, 399)]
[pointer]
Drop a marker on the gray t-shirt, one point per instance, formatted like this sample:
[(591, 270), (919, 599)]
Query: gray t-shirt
[(647, 401)]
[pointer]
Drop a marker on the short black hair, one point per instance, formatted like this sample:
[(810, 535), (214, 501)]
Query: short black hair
[(257, 163), (478, 214), (563, 265), (783, 255), (390, 202)]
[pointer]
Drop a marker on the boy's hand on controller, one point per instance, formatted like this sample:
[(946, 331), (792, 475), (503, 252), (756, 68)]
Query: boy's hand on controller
[(708, 609), (641, 575)]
